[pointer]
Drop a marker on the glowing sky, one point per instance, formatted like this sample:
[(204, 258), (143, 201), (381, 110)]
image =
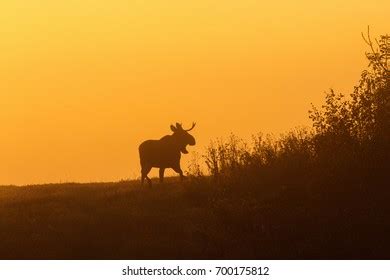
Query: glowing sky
[(83, 82)]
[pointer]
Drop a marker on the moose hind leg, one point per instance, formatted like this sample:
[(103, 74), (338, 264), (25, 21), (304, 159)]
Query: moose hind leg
[(178, 170), (161, 173)]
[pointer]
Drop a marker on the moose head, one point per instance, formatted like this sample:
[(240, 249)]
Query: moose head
[(182, 137)]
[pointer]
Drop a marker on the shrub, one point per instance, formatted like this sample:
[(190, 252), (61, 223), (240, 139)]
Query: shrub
[(348, 143)]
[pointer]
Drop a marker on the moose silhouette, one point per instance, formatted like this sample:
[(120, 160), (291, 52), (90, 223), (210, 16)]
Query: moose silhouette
[(165, 153)]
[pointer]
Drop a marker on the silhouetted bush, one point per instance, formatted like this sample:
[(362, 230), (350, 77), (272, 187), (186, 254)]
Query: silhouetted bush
[(352, 134), (347, 145)]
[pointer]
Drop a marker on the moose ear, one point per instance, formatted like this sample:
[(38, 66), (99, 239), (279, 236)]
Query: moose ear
[(178, 126), (173, 128)]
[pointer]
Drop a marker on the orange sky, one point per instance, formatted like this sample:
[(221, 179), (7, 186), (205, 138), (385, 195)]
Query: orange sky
[(82, 83)]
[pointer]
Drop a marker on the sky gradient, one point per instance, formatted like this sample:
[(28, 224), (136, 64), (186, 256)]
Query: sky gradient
[(83, 83)]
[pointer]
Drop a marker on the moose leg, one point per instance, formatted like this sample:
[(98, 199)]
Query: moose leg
[(178, 170), (144, 175), (161, 173)]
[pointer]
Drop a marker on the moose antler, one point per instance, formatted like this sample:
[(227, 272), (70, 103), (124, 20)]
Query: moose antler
[(192, 127)]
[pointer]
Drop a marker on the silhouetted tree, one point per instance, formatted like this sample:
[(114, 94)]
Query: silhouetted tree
[(348, 145), (352, 135)]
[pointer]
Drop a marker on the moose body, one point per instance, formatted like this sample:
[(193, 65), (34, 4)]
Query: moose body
[(165, 153)]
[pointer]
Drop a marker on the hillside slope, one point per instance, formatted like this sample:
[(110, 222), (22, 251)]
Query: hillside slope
[(194, 220)]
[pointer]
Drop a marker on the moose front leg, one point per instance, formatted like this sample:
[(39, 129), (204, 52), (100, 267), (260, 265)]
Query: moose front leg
[(161, 173), (144, 175)]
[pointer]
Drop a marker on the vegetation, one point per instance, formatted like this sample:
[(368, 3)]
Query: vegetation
[(348, 144), (320, 192)]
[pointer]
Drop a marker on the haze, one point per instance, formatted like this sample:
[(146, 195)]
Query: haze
[(84, 82)]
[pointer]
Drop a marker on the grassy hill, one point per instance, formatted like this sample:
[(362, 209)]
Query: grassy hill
[(191, 220)]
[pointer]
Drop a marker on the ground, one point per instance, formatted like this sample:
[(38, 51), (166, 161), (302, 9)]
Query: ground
[(190, 220)]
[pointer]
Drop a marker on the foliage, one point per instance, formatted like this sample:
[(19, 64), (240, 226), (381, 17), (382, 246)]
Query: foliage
[(348, 144)]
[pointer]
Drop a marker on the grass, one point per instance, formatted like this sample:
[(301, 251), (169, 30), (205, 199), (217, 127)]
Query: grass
[(197, 219)]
